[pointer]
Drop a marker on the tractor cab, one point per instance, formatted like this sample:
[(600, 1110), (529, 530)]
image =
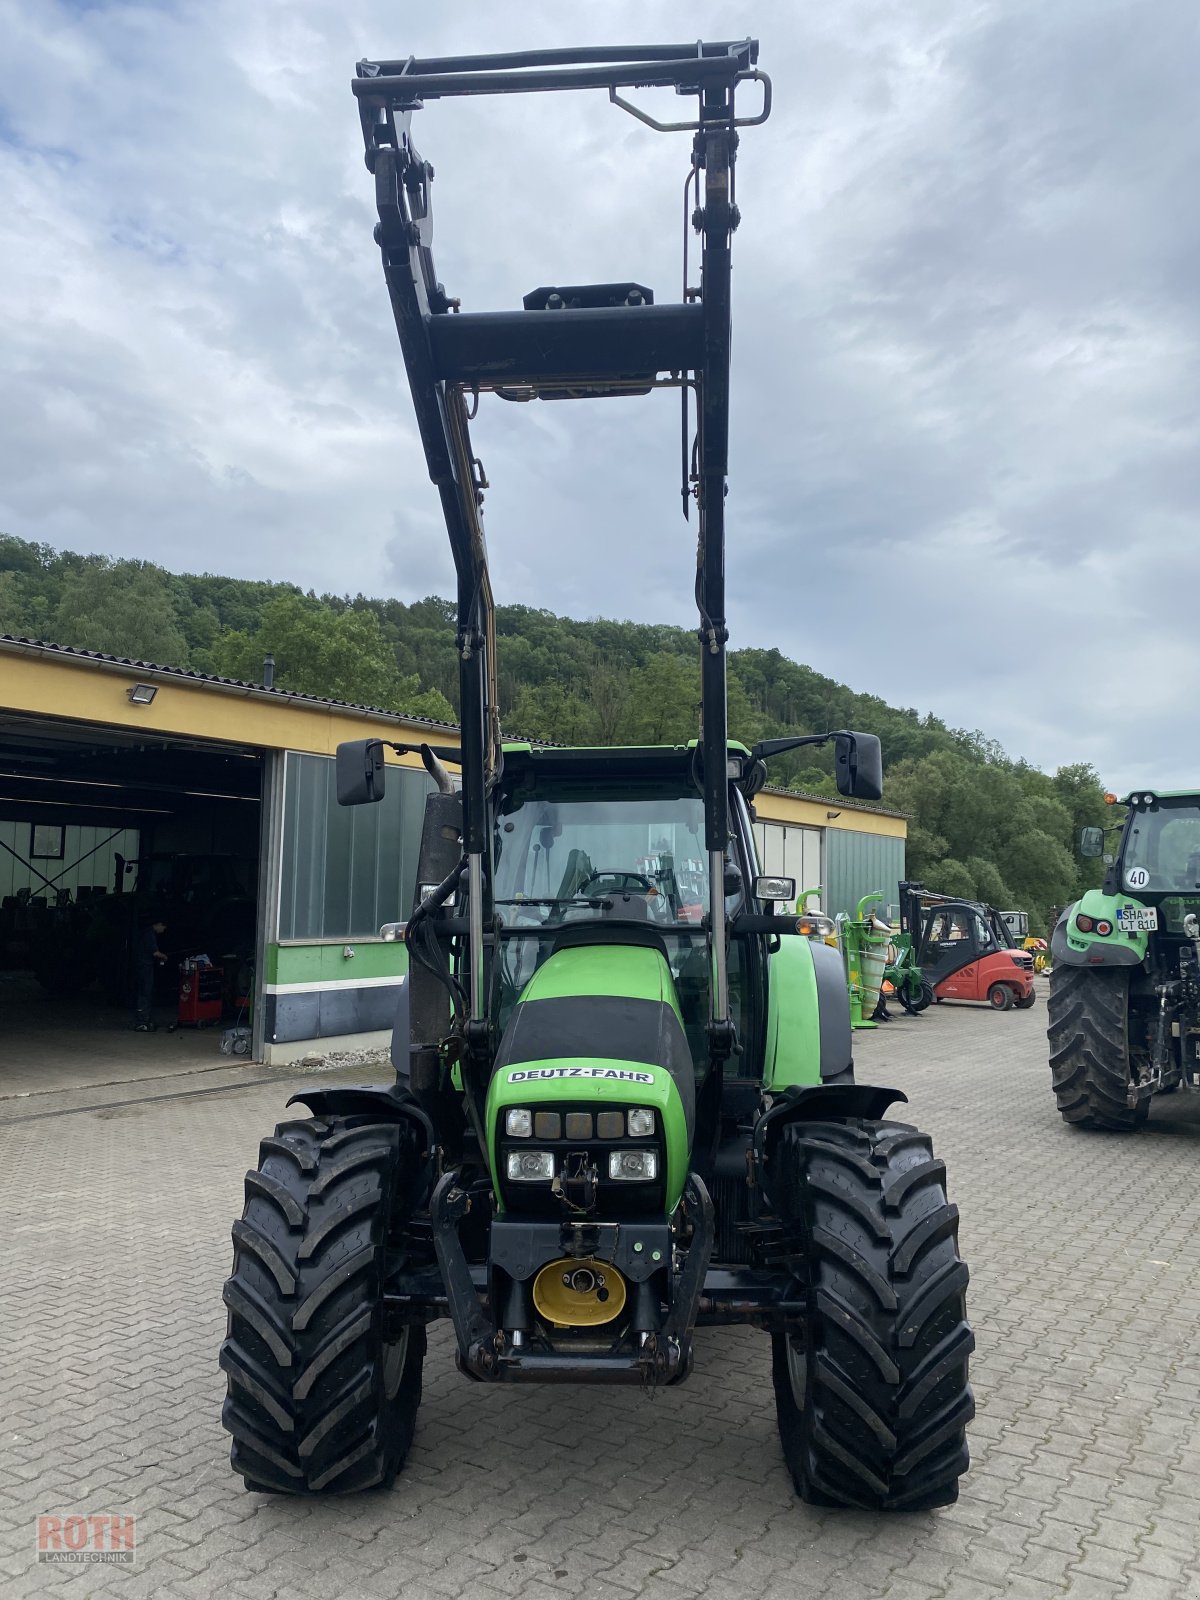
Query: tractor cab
[(606, 848)]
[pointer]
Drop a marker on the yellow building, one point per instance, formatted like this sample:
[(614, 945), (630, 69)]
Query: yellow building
[(216, 798)]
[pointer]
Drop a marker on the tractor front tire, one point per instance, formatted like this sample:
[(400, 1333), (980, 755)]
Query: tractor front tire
[(322, 1397), (1088, 1030), (871, 1387)]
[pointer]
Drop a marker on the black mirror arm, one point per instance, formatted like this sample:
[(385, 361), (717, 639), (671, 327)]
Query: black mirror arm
[(442, 752), (766, 748)]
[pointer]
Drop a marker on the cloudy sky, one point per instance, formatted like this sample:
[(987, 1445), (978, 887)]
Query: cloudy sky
[(965, 469)]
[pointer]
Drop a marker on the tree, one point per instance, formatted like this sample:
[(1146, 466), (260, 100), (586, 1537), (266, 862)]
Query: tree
[(338, 655), (980, 824), (954, 878), (665, 700), (548, 711), (990, 887), (123, 608)]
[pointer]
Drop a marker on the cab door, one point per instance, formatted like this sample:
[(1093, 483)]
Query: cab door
[(984, 943), (949, 951)]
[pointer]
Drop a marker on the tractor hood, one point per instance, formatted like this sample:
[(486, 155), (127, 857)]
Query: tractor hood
[(598, 1025)]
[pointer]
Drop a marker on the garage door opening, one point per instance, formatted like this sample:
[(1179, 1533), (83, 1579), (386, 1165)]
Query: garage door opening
[(103, 833)]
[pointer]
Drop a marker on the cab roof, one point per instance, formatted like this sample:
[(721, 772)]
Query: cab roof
[(641, 761)]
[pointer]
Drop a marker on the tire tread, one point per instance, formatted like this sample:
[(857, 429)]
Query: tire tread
[(888, 1400)]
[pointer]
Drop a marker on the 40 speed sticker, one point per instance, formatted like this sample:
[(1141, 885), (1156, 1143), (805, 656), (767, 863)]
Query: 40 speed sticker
[(612, 1074)]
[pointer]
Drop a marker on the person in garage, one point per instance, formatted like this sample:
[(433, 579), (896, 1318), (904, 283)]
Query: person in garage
[(147, 958)]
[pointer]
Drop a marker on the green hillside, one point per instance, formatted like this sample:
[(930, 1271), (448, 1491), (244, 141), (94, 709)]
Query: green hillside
[(982, 824)]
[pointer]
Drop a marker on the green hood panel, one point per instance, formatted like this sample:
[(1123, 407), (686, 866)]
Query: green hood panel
[(808, 1016), (601, 1023), (634, 972)]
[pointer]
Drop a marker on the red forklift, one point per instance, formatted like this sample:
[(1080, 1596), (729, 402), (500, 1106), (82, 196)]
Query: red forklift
[(965, 949)]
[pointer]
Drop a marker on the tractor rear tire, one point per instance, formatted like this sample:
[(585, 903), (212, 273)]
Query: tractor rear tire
[(1000, 997), (871, 1387), (1088, 1030), (322, 1398)]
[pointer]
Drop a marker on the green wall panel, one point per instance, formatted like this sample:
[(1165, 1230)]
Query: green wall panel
[(325, 963), (857, 864)]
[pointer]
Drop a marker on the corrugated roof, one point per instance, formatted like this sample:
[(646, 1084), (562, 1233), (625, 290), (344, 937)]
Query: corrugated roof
[(838, 800), (151, 668)]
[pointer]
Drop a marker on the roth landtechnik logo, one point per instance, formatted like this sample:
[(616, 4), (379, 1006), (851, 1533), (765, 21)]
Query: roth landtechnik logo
[(71, 1538)]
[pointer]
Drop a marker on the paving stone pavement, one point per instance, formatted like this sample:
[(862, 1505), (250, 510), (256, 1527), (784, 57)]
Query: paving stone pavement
[(1086, 1452)]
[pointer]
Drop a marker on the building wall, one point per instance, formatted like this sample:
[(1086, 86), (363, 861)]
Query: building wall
[(788, 851), (849, 850), (87, 859), (41, 683), (328, 989), (858, 864), (342, 872)]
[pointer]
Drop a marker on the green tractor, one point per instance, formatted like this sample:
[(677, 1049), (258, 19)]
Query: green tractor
[(619, 1118), (1124, 1005)]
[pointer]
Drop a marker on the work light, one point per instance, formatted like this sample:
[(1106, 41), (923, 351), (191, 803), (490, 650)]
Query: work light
[(531, 1166), (633, 1166)]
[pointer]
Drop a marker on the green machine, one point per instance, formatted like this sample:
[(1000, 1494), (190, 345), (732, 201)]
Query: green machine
[(864, 948), (880, 962), (1124, 1003), (903, 972), (625, 1107)]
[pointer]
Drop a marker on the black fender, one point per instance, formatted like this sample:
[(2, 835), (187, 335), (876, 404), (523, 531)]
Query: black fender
[(1098, 954), (818, 1102), (381, 1102)]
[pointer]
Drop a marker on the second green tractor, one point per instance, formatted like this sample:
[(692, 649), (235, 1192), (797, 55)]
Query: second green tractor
[(1124, 1006)]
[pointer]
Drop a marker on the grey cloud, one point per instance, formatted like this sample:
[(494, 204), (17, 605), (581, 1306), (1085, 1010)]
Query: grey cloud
[(965, 334)]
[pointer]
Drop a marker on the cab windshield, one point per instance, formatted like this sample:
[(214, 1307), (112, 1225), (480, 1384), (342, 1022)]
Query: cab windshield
[(1162, 848), (570, 851)]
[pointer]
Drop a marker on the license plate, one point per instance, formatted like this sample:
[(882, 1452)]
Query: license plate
[(1137, 919)]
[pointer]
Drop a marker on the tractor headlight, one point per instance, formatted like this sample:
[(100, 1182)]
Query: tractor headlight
[(641, 1122), (531, 1166), (519, 1124), (633, 1166)]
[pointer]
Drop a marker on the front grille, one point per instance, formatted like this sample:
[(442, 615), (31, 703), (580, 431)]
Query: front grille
[(614, 1197), (731, 1203)]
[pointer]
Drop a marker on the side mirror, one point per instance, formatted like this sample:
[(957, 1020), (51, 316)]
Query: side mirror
[(733, 879), (1091, 842), (360, 773), (858, 765)]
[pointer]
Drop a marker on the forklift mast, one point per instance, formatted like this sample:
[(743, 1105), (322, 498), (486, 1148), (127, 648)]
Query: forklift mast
[(567, 342)]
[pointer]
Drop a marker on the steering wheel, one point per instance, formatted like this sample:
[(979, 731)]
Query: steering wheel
[(638, 878)]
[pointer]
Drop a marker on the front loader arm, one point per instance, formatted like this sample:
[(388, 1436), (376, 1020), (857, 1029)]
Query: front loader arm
[(572, 342)]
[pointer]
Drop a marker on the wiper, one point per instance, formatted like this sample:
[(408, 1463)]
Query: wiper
[(599, 904)]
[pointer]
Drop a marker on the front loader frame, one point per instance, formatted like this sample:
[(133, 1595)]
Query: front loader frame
[(577, 341)]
